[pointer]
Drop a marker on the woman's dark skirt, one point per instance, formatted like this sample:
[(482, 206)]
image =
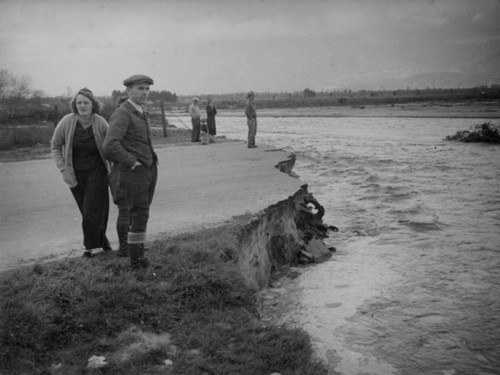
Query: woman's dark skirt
[(92, 197), (211, 125)]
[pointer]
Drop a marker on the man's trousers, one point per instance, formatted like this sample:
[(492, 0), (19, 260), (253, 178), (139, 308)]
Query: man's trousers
[(252, 130), (138, 188), (195, 134)]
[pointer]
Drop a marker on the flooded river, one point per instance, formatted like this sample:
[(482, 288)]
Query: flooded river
[(414, 287)]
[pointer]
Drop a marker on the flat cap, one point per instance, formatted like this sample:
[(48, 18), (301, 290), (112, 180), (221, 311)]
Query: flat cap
[(250, 93), (137, 79)]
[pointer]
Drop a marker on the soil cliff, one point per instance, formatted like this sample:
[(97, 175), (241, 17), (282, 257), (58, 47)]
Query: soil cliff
[(288, 232)]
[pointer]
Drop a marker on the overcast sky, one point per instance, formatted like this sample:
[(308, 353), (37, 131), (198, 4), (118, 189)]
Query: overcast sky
[(220, 46)]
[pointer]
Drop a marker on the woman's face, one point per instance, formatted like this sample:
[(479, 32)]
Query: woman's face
[(83, 105)]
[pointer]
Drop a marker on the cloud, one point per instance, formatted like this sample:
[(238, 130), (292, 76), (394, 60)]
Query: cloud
[(224, 45)]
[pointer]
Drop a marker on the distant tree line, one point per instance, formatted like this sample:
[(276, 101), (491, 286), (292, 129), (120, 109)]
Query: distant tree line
[(347, 97), (155, 96), (309, 93), (21, 104), (17, 87)]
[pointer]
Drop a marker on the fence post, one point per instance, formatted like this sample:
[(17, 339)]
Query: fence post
[(163, 119), (56, 115)]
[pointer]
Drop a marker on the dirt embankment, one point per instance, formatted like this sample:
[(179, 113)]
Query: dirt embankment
[(288, 232)]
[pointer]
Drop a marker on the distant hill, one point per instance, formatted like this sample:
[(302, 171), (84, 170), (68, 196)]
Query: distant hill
[(442, 80)]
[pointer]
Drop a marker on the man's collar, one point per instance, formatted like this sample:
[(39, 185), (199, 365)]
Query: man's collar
[(136, 106)]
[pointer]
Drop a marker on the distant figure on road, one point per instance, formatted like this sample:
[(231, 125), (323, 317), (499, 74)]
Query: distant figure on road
[(211, 112), (77, 149), (128, 144), (194, 112), (251, 112)]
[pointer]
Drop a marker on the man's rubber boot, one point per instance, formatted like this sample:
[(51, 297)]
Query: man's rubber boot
[(137, 259)]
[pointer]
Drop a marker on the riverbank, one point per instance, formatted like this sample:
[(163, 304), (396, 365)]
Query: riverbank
[(190, 312), (196, 310)]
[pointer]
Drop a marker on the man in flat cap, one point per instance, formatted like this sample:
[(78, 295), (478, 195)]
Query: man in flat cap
[(194, 112), (251, 113), (128, 145)]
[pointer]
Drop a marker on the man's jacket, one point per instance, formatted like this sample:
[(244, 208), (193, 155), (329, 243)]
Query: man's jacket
[(129, 138)]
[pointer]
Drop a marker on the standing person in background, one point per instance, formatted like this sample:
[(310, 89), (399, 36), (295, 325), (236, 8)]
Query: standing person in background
[(211, 112), (128, 144), (251, 112), (77, 149), (194, 112), (119, 198)]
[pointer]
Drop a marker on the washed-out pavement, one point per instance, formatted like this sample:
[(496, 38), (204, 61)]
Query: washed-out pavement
[(198, 186)]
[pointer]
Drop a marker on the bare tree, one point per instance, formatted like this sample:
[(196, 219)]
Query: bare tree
[(39, 94), (69, 93), (21, 87), (5, 79)]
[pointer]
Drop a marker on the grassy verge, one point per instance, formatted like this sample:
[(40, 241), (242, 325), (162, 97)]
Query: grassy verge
[(190, 307)]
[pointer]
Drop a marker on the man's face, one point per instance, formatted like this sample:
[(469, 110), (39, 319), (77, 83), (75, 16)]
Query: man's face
[(138, 93)]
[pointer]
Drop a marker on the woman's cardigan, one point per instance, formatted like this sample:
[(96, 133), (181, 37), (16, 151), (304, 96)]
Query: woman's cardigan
[(62, 144)]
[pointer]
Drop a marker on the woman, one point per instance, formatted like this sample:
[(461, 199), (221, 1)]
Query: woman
[(211, 112), (76, 147)]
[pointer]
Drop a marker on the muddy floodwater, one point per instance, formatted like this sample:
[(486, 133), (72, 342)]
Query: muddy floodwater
[(414, 287)]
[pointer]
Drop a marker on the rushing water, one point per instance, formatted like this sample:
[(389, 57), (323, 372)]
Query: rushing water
[(414, 287)]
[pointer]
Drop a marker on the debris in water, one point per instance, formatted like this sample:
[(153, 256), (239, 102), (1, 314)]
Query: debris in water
[(487, 133)]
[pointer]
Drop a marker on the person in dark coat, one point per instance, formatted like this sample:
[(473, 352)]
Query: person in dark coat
[(123, 219), (128, 144), (251, 113), (211, 112)]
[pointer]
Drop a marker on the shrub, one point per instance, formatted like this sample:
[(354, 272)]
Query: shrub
[(16, 136), (486, 132)]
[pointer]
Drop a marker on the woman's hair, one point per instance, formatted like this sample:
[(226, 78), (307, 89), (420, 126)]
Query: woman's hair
[(96, 104)]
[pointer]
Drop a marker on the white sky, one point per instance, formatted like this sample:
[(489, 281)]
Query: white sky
[(220, 46)]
